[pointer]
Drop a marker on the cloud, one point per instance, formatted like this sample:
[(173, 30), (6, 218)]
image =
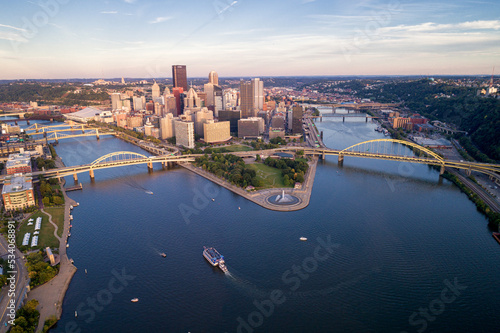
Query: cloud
[(129, 1), (110, 12), (160, 19), (434, 27), (307, 1), (12, 36), (11, 27)]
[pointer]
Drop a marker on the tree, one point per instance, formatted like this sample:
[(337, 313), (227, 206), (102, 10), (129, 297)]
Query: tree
[(46, 201)]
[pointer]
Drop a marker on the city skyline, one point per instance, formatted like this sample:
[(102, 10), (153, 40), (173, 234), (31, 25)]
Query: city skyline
[(59, 39)]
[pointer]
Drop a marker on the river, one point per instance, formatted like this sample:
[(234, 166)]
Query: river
[(384, 240)]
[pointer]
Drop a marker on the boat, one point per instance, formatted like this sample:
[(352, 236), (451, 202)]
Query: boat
[(149, 192), (164, 255), (214, 258), (213, 199), (134, 300), (303, 239), (76, 314), (496, 235)]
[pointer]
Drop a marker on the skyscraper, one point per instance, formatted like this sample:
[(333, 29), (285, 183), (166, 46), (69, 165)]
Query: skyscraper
[(179, 75), (213, 78), (252, 97), (155, 90)]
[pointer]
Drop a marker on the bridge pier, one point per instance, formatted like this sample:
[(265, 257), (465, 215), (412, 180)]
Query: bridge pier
[(150, 166), (75, 178), (321, 119), (468, 172), (441, 172), (343, 119), (341, 160), (366, 120), (96, 133), (91, 173), (83, 131)]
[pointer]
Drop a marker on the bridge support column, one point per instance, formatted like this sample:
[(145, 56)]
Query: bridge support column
[(55, 134), (366, 120), (91, 173), (83, 132), (75, 178), (441, 172), (96, 133), (341, 160), (468, 172), (150, 166), (343, 119), (323, 155)]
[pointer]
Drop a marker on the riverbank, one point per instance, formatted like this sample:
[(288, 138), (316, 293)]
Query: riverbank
[(50, 295), (260, 197)]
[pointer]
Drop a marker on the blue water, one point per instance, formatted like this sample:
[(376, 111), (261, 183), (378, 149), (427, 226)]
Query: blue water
[(398, 232)]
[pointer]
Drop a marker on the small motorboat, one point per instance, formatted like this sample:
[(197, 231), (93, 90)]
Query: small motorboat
[(303, 239), (134, 300), (163, 254), (149, 192), (213, 199)]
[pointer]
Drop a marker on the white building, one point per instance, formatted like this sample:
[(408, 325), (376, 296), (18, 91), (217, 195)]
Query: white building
[(167, 126), (184, 134)]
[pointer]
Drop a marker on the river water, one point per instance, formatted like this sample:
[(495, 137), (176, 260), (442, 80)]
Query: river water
[(385, 240)]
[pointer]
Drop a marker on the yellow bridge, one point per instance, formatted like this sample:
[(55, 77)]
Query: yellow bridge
[(385, 149)]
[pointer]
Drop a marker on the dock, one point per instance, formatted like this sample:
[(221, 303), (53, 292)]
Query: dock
[(74, 188)]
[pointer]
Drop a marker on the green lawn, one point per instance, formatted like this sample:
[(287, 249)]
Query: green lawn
[(233, 148), (45, 238), (57, 217), (270, 177)]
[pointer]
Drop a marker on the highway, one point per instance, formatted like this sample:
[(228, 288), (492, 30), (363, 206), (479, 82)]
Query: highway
[(21, 284), (492, 203)]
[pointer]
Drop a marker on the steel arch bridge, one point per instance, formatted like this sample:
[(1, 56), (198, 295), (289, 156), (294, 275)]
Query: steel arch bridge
[(118, 157), (391, 149)]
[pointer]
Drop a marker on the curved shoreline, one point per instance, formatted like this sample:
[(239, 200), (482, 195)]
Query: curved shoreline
[(260, 197), (50, 295)]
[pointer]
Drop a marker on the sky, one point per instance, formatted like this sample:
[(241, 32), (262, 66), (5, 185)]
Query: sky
[(59, 39)]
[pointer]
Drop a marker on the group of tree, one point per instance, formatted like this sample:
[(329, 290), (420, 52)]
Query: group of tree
[(26, 318), (477, 115), (261, 145), (45, 163), (229, 167), (39, 271), (51, 196), (278, 141), (293, 170)]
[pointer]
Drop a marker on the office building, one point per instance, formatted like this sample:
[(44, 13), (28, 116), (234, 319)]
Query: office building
[(18, 163), (155, 91), (184, 134), (278, 122), (179, 100), (252, 97), (134, 121), (202, 117), (17, 193), (213, 78), (232, 116), (297, 113), (192, 101), (179, 76), (216, 132), (139, 103), (116, 103), (276, 133), (167, 127), (250, 127), (208, 88)]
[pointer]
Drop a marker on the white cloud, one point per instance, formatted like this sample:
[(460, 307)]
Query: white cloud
[(12, 36), (129, 1), (160, 19), (434, 27), (110, 12), (11, 27)]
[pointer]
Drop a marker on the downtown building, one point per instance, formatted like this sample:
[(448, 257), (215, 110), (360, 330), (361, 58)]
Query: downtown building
[(18, 163), (250, 127), (17, 193), (216, 132), (251, 97), (184, 134), (179, 76)]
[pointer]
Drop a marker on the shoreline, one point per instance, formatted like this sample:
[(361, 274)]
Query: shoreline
[(51, 294), (260, 197)]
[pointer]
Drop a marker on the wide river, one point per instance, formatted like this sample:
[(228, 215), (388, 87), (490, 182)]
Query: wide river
[(390, 248)]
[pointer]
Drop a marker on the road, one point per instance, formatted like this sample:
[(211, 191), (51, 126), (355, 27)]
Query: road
[(492, 203), (21, 284)]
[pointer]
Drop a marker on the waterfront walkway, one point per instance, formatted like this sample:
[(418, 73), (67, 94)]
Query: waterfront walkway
[(51, 294), (260, 197)]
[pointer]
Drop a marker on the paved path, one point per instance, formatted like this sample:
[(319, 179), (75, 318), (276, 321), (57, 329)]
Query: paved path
[(53, 224), (51, 294), (259, 197)]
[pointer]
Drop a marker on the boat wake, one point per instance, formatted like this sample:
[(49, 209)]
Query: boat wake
[(134, 184)]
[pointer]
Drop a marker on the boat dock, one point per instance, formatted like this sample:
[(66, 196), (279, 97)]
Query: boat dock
[(74, 188)]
